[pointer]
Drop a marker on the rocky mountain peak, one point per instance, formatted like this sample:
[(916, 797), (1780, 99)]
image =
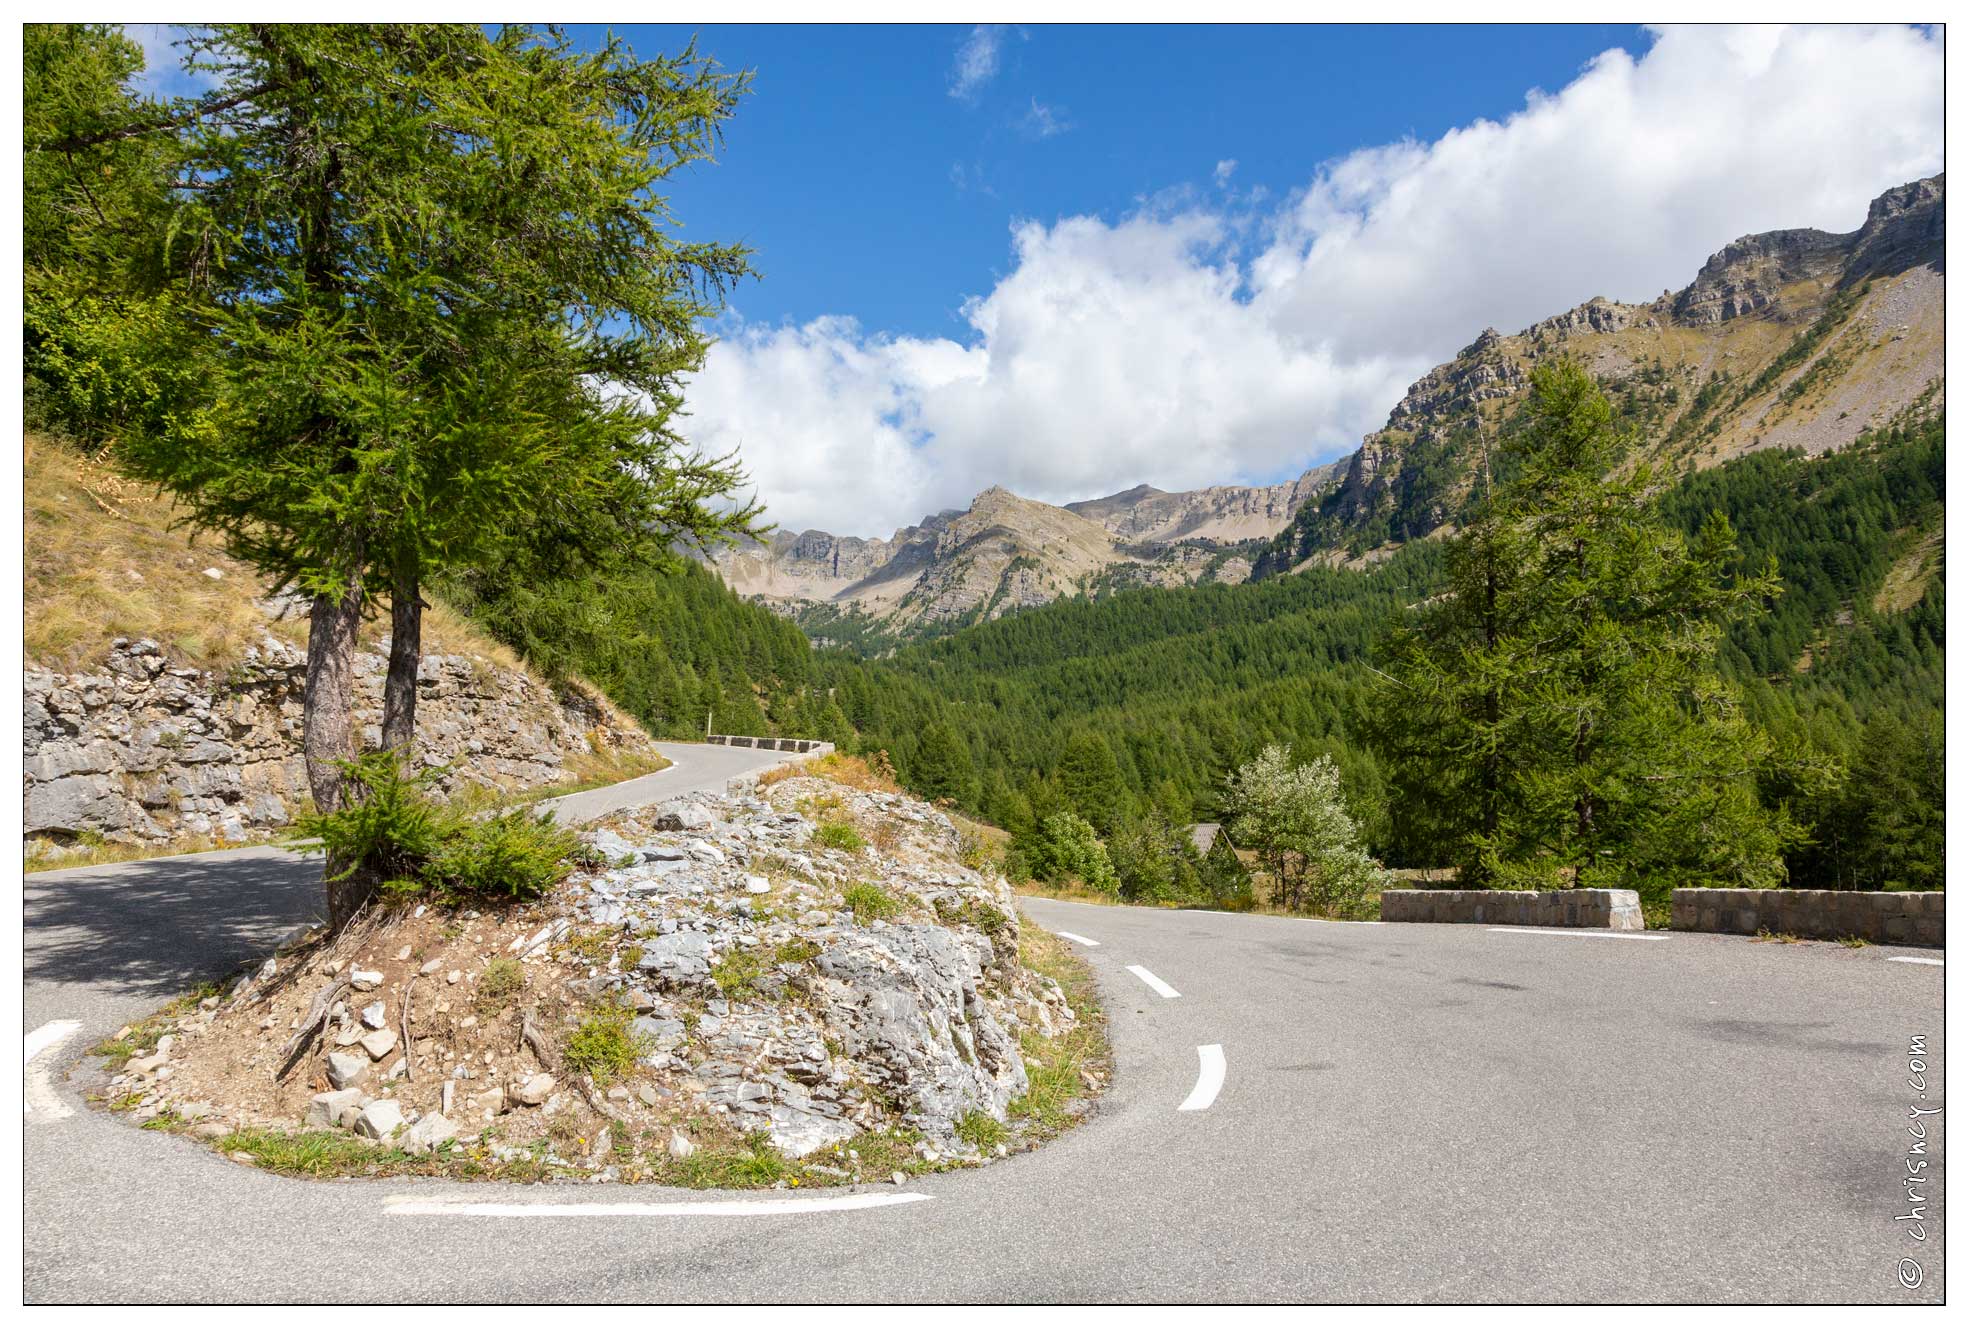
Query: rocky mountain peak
[(1903, 229)]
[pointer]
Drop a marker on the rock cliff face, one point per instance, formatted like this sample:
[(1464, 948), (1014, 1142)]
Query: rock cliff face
[(1005, 552), (1797, 338), (142, 751)]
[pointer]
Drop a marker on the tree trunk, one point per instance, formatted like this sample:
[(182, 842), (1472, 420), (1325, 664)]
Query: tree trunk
[(406, 650), (328, 725)]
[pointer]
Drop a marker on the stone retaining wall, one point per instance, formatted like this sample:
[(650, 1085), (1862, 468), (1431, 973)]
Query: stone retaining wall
[(1907, 918), (141, 751), (1618, 911)]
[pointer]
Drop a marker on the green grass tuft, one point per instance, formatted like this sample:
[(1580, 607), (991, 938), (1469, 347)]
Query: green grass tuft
[(869, 902), (839, 835)]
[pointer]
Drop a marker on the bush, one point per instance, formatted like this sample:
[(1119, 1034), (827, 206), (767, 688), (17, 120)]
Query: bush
[(389, 826), (606, 1046), (869, 902), (394, 832), (516, 855), (795, 950), (1068, 849)]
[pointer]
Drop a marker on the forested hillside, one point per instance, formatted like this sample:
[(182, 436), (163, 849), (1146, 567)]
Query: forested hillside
[(673, 647), (1183, 685)]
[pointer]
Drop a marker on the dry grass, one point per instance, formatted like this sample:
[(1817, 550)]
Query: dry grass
[(101, 560), (873, 774)]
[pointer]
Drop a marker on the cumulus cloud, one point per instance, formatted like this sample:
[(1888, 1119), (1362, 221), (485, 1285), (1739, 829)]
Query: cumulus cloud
[(977, 61), (1171, 347), (1222, 175)]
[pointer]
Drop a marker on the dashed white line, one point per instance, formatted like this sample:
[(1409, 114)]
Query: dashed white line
[(1153, 981), (1076, 937), (416, 1207), (1912, 959), (1576, 932), (1209, 1078), (40, 1098)]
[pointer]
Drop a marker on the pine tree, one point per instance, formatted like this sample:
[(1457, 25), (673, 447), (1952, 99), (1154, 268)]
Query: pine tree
[(1090, 779), (1560, 706), (443, 317), (941, 766)]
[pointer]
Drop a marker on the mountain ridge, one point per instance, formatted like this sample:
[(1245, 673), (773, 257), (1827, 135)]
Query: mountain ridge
[(1790, 338)]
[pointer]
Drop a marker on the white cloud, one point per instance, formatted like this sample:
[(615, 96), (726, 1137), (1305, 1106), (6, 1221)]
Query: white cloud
[(1043, 121), (977, 61), (1222, 175), (1157, 348)]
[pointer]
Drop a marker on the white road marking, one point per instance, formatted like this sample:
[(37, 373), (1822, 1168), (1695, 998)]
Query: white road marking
[(1912, 959), (40, 1096), (413, 1206), (1209, 1078), (1084, 941), (1576, 932), (1153, 981)]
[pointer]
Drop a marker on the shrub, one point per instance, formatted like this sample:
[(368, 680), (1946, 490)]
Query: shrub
[(389, 827), (606, 1046), (393, 830), (869, 902), (502, 981), (517, 855), (977, 914), (1068, 848), (839, 835)]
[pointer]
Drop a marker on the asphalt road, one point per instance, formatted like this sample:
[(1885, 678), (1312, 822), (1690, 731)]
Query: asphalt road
[(1407, 1113)]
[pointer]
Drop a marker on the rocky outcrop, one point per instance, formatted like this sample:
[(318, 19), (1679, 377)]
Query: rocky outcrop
[(767, 981), (145, 751), (1748, 276)]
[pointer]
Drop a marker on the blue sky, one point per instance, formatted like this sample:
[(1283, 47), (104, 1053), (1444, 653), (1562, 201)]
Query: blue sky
[(1070, 260), (867, 188)]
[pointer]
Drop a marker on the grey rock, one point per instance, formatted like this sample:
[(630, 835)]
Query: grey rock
[(365, 980), (662, 1035), (325, 1110), (378, 1043), (682, 816), (429, 1132), (345, 1069), (533, 1091), (380, 1120), (374, 1015), (681, 958)]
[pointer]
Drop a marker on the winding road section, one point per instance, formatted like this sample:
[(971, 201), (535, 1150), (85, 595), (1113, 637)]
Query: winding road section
[(1319, 1112)]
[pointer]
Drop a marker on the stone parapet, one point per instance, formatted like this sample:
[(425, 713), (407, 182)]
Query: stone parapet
[(1617, 911), (1906, 918)]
